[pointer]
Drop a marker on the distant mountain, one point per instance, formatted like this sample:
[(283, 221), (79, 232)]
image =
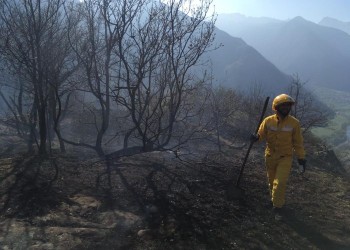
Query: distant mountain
[(238, 65), (318, 54), (240, 24), (334, 23)]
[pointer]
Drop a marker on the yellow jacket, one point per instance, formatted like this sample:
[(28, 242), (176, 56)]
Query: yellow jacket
[(283, 136)]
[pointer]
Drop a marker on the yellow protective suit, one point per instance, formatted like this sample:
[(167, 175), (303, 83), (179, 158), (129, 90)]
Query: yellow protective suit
[(283, 138)]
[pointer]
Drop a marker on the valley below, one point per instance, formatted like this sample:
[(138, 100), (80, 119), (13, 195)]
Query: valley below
[(336, 135)]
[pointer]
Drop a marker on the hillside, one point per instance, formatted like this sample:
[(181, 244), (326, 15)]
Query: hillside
[(334, 23), (158, 201), (318, 54), (238, 65)]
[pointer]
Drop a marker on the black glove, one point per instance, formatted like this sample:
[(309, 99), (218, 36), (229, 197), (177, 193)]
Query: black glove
[(254, 137), (302, 165)]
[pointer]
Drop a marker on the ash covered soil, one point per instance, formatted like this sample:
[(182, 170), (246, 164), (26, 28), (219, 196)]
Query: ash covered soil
[(159, 201)]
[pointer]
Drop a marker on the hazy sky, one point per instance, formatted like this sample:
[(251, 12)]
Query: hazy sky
[(313, 10)]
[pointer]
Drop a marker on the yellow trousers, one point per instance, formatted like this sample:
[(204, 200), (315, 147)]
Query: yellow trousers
[(278, 170)]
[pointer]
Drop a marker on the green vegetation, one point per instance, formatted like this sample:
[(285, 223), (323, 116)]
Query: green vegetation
[(335, 132)]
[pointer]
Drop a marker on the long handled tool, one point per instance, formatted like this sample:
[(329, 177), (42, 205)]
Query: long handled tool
[(234, 191)]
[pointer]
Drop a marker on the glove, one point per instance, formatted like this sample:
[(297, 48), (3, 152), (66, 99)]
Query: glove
[(254, 137), (302, 165)]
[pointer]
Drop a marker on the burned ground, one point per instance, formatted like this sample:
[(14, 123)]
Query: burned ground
[(158, 201)]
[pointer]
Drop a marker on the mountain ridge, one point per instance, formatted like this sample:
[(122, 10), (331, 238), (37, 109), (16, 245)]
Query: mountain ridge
[(236, 64), (318, 54), (335, 23)]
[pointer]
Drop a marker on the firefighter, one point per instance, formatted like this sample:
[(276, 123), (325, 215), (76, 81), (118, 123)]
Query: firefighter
[(283, 137)]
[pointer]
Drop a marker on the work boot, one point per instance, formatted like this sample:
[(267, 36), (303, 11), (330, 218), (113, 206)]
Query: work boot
[(277, 212)]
